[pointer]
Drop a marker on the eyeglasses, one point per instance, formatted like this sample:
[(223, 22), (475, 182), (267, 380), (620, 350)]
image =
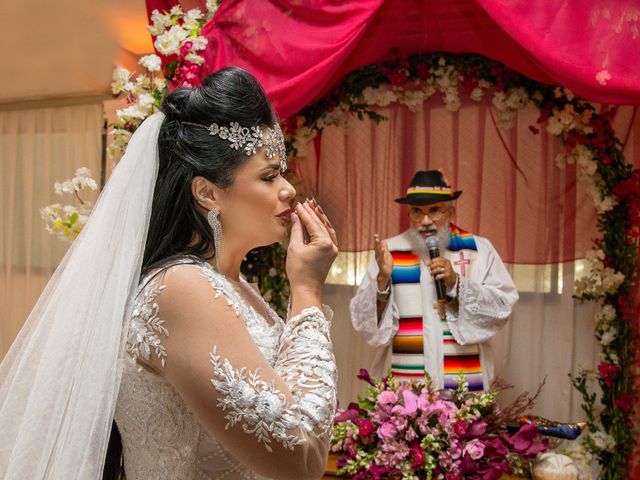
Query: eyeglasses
[(434, 213)]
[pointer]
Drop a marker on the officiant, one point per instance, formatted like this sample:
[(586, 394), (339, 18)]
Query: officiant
[(397, 306)]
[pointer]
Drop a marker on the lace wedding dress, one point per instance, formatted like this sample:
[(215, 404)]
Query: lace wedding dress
[(163, 439)]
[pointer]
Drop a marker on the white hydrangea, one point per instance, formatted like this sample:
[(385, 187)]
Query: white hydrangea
[(381, 96), (413, 99), (151, 62), (608, 336), (169, 42), (451, 98), (603, 441), (606, 314)]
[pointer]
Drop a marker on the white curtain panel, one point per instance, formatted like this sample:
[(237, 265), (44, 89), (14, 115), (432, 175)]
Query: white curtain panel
[(37, 148)]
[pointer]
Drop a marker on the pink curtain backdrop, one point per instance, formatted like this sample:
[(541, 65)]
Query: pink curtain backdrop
[(533, 211), (299, 49)]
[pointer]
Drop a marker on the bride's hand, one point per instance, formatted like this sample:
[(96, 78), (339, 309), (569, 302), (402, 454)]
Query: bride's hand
[(309, 261)]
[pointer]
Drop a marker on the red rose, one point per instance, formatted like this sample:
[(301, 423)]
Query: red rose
[(365, 427)]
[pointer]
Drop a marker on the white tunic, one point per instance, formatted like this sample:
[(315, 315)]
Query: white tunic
[(486, 299)]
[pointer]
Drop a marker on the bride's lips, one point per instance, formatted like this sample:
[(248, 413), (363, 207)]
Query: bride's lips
[(285, 215)]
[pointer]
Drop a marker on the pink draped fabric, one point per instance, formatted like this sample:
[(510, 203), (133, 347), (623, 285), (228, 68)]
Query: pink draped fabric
[(299, 49)]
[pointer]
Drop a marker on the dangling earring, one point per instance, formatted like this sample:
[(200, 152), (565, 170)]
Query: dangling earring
[(216, 226)]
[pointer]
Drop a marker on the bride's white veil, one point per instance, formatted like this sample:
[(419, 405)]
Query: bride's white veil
[(59, 381)]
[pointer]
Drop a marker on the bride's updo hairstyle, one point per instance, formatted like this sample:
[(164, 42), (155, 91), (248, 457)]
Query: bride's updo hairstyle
[(186, 151)]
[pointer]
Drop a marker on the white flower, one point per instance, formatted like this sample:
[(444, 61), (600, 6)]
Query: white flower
[(199, 43), (120, 79), (159, 83), (191, 19), (268, 296), (381, 96), (603, 441), (242, 393), (612, 280), (145, 100), (269, 406), (131, 112), (194, 58), (272, 272), (176, 11), (607, 314), (476, 94), (413, 99), (606, 204), (151, 62), (554, 125), (608, 336), (168, 43), (212, 6)]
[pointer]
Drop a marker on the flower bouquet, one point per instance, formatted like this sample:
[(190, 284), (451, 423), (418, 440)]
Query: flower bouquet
[(412, 431)]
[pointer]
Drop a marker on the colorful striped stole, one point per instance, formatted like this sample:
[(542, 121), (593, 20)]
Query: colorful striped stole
[(461, 358), (407, 355), (461, 239)]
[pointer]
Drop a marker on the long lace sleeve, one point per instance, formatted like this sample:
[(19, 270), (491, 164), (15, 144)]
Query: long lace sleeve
[(256, 385), (307, 365), (364, 315)]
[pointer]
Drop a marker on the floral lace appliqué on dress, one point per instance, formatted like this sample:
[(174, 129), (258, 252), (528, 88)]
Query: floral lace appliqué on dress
[(163, 439)]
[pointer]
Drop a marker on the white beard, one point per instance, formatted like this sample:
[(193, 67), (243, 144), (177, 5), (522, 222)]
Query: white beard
[(419, 243)]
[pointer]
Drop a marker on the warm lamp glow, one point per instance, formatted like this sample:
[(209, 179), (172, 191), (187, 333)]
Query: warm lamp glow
[(128, 26)]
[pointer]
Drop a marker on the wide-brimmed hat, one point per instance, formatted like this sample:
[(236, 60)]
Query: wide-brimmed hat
[(429, 187)]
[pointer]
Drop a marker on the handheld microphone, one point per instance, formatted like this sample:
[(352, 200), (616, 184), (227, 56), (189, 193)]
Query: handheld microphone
[(433, 244)]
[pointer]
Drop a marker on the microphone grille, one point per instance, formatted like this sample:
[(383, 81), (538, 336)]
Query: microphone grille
[(433, 242)]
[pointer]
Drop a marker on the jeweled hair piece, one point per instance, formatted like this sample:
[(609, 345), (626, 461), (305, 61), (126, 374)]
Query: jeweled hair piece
[(250, 139)]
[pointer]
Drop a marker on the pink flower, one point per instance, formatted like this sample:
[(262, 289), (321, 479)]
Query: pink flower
[(387, 430), (186, 47), (475, 449), (364, 375), (387, 397), (624, 402), (609, 372), (460, 427), (417, 456), (602, 76), (410, 404), (365, 427)]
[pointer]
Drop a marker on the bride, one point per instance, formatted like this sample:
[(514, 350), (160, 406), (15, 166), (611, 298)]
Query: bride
[(148, 322)]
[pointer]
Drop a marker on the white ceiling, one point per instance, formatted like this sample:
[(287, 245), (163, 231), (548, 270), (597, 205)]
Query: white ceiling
[(67, 48)]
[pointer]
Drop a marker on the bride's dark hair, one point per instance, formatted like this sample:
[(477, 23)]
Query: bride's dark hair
[(186, 151)]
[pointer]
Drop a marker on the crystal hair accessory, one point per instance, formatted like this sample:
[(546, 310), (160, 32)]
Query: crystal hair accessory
[(250, 139)]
